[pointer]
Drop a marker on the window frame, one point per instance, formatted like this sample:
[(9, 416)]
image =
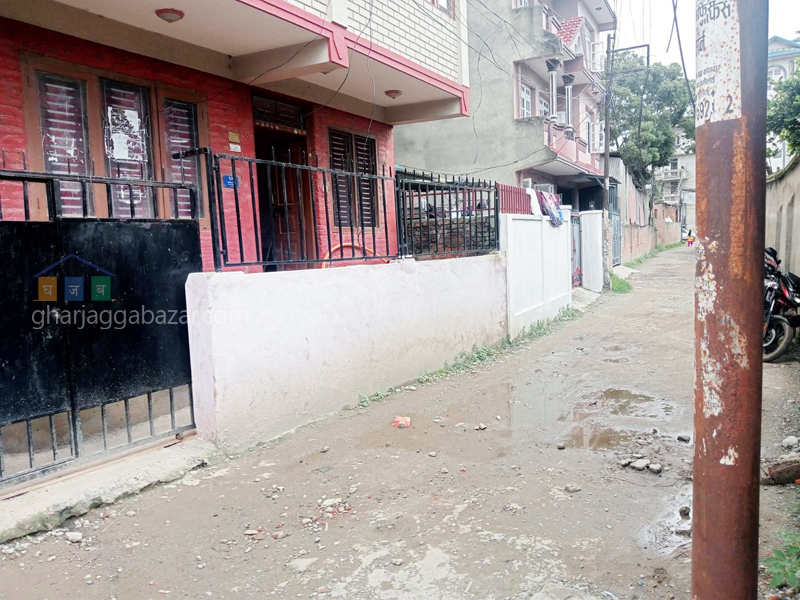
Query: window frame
[(542, 100), (448, 10), (529, 100), (157, 93), (351, 189)]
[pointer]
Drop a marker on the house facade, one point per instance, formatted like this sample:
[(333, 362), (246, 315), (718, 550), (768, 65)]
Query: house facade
[(782, 62), (158, 140), (264, 79), (537, 100), (677, 184)]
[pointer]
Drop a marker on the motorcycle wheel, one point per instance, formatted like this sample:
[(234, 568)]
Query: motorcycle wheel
[(777, 340)]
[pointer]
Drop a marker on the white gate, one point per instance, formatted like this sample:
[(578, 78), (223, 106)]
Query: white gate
[(577, 279)]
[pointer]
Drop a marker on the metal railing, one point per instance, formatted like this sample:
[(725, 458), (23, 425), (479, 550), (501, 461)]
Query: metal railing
[(275, 214), (41, 444), (68, 195), (446, 216), (671, 173)]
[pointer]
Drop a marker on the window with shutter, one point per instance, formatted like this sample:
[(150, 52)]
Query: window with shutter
[(365, 164), (126, 132), (340, 160), (354, 198), (181, 133), (62, 112)]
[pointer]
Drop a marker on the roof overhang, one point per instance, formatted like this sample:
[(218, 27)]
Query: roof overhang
[(569, 171), (602, 13), (268, 43)]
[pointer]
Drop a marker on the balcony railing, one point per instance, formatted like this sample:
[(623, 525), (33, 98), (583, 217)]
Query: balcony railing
[(667, 174)]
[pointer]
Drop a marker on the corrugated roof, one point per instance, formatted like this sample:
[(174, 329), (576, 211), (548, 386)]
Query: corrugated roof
[(569, 28), (783, 52)]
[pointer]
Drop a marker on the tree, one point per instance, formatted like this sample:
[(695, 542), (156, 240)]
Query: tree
[(783, 114), (660, 97)]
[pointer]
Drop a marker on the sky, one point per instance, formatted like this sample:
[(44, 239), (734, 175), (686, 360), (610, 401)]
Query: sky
[(642, 21)]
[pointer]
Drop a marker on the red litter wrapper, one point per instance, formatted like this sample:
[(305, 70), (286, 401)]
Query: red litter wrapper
[(402, 422)]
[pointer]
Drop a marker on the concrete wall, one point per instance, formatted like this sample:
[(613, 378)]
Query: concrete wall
[(592, 249), (272, 351), (783, 197), (539, 260), (668, 232), (634, 203)]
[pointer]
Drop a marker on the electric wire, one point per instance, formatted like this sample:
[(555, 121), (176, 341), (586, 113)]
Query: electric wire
[(680, 48)]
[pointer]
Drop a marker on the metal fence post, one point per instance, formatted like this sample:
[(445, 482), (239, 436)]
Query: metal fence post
[(496, 216), (730, 114)]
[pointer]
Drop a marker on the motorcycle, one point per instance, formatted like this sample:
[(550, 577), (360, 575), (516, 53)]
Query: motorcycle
[(781, 303)]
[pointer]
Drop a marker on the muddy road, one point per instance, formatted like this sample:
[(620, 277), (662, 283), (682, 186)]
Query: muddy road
[(512, 482)]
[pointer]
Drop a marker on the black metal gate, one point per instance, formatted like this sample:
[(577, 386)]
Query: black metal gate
[(94, 350)]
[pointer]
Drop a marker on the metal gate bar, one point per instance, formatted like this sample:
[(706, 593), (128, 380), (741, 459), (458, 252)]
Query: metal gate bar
[(73, 430), (37, 467)]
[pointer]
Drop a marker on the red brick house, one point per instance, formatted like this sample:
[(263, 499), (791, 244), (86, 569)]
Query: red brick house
[(156, 138), (242, 77)]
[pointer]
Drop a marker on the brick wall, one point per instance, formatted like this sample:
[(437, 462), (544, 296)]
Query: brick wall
[(415, 29), (228, 109), (636, 241), (315, 7)]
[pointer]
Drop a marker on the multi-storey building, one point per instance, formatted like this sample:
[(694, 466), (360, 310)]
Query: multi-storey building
[(143, 141), (535, 81), (782, 62), (676, 181), (113, 89)]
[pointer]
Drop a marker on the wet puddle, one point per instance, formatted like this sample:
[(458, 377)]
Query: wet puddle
[(544, 410), (629, 404), (616, 361), (597, 438), (614, 348), (671, 531)]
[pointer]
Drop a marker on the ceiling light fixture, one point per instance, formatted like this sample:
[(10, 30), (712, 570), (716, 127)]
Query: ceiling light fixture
[(170, 15), (393, 94)]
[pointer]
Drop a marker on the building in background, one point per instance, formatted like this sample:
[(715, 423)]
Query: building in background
[(782, 62), (676, 182), (535, 81)]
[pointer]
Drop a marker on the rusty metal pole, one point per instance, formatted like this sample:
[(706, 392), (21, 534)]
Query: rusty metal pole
[(731, 88)]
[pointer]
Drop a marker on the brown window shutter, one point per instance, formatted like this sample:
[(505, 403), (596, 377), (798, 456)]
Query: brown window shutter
[(365, 164), (180, 128), (341, 151), (65, 144)]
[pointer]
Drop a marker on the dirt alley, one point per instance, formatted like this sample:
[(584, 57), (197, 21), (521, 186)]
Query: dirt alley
[(440, 510)]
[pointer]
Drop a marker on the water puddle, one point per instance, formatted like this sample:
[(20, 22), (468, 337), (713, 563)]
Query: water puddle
[(629, 404), (672, 531), (547, 410), (616, 361), (592, 437)]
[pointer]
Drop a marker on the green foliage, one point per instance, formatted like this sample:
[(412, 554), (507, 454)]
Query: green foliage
[(468, 361), (619, 285), (783, 114), (665, 108), (784, 563), (657, 250)]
